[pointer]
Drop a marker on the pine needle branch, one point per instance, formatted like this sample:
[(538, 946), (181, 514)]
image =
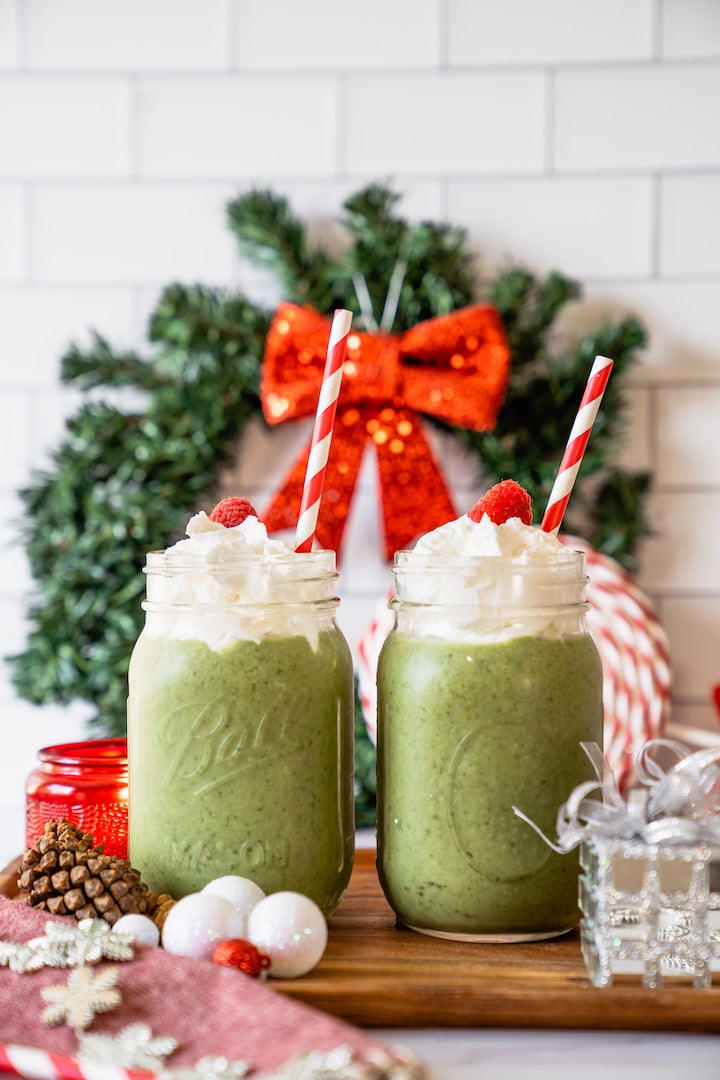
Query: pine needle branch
[(101, 365), (270, 235)]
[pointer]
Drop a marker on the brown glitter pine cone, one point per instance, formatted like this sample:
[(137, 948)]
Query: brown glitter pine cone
[(65, 875)]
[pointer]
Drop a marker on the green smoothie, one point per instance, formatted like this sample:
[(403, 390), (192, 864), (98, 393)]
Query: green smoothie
[(466, 731), (241, 762)]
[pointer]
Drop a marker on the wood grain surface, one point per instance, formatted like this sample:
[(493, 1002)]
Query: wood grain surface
[(375, 974)]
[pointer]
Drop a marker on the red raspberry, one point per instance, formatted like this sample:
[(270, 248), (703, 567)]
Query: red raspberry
[(229, 512), (506, 500), (241, 954)]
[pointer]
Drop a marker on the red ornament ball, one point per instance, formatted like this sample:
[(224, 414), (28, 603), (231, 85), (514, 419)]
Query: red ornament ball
[(502, 502), (241, 954), (232, 511)]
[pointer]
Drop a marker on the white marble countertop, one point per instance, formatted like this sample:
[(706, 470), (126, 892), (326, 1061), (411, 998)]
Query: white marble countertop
[(512, 1054), (487, 1054)]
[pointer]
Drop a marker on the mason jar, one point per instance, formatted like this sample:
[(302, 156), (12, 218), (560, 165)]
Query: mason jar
[(240, 727), (86, 783), (487, 685)]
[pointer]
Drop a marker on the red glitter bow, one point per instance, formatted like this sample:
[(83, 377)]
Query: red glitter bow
[(455, 368)]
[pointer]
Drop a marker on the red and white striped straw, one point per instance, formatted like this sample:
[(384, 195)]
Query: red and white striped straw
[(577, 441), (322, 432)]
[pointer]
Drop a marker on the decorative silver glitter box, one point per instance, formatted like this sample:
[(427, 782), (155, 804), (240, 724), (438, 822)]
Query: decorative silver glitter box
[(649, 887), (651, 910)]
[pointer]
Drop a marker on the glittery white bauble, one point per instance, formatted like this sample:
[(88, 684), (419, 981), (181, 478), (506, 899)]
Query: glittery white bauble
[(291, 929), (140, 927), (242, 893), (196, 924)]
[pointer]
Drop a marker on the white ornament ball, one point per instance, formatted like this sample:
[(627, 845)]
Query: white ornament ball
[(196, 924), (242, 893), (140, 927), (291, 929)]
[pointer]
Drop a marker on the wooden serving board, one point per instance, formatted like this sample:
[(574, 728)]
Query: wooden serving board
[(375, 974)]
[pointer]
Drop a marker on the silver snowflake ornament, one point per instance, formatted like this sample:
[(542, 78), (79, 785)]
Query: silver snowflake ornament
[(87, 941), (341, 1063), (21, 958), (135, 1047), (84, 994), (210, 1068), (67, 945), (321, 1065)]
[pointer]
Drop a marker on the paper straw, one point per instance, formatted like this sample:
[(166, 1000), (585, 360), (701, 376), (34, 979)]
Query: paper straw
[(322, 432), (577, 441)]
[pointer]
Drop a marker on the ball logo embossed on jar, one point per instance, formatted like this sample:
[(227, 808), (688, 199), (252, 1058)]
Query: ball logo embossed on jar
[(212, 743)]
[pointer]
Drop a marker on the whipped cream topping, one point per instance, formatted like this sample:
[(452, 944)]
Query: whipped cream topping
[(511, 540), (224, 584), (478, 581), (215, 543)]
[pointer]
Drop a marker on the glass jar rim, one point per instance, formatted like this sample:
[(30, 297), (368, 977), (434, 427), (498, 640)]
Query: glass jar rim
[(321, 559), (99, 753), (489, 584), (408, 557), (230, 608)]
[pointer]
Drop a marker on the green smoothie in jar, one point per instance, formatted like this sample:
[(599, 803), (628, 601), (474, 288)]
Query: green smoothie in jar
[(240, 718), (487, 685)]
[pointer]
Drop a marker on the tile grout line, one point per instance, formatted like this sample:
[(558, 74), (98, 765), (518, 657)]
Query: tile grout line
[(550, 104), (656, 226), (443, 35), (232, 28), (658, 31), (23, 35), (134, 109), (416, 71), (29, 208), (341, 124)]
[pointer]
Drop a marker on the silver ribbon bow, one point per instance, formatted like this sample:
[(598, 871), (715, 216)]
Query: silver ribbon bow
[(680, 805)]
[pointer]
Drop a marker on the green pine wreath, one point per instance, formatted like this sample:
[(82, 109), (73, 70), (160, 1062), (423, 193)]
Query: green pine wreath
[(124, 481)]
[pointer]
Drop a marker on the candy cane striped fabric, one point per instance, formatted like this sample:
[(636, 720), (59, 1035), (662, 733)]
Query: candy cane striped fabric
[(635, 655), (577, 441), (40, 1065), (322, 432)]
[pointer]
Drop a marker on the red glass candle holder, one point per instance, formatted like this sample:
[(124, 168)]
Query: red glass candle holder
[(85, 782)]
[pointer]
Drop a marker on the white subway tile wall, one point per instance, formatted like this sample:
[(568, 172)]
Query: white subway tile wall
[(445, 123), (680, 316), (686, 247), (649, 117), (690, 28), (324, 35), (82, 35), (599, 227), (32, 345), (64, 126), (238, 127), (134, 233), (577, 134), (9, 38), (13, 218), (551, 32)]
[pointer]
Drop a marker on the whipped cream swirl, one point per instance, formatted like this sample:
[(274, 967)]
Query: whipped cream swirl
[(225, 584)]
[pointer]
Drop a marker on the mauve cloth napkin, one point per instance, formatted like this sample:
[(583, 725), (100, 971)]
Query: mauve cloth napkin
[(209, 1010)]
